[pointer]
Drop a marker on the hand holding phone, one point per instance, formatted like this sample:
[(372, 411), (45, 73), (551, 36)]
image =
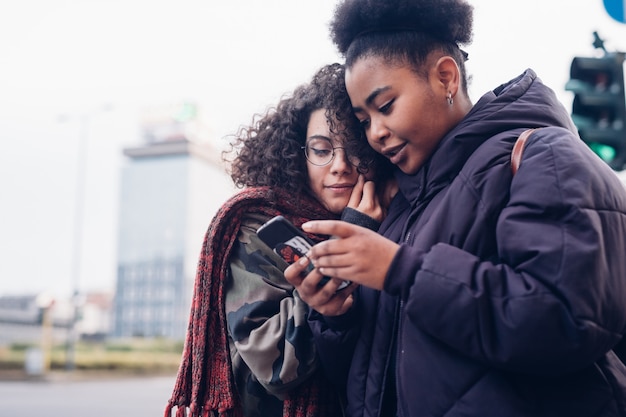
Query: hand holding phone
[(290, 243)]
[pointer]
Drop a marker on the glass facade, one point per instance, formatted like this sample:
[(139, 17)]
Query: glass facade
[(167, 200)]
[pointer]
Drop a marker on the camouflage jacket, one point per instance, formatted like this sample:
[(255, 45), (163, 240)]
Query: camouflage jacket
[(271, 346)]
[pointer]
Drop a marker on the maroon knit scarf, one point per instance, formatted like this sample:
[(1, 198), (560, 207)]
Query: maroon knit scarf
[(205, 383)]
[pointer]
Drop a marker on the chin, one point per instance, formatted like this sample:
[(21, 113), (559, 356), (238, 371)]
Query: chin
[(405, 170), (408, 169), (337, 210), (336, 207)]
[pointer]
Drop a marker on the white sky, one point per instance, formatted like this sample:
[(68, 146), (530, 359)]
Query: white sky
[(234, 58)]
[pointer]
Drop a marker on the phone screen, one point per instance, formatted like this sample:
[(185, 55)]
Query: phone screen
[(289, 243)]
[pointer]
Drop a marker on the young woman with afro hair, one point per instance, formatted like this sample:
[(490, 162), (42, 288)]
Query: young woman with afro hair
[(487, 292)]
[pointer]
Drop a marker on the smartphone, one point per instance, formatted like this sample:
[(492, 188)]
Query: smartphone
[(289, 243)]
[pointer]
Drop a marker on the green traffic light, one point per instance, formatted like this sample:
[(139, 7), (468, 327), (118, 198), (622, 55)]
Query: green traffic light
[(605, 152), (598, 108)]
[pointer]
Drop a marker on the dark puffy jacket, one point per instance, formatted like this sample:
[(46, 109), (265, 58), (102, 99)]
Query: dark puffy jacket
[(508, 293)]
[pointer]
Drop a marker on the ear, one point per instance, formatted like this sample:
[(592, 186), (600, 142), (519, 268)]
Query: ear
[(448, 74)]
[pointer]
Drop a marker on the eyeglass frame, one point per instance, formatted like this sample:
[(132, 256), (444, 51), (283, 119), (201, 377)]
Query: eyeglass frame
[(332, 158)]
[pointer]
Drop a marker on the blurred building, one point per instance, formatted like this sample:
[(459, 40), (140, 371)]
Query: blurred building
[(171, 188), (22, 317), (20, 309), (94, 316)]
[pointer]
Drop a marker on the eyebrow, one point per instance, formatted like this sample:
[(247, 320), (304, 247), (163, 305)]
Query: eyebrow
[(372, 97), (319, 137)]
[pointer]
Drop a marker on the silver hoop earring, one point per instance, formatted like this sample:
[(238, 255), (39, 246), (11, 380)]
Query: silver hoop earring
[(449, 98)]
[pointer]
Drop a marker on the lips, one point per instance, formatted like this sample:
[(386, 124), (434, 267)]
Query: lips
[(394, 153), (341, 186)]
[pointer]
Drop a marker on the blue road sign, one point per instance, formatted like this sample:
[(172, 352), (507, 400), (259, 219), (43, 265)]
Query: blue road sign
[(615, 9)]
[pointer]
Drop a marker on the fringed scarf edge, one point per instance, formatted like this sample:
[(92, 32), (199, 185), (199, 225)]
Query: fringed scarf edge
[(207, 385)]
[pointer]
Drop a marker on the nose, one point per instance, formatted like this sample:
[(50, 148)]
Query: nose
[(340, 163), (377, 132)]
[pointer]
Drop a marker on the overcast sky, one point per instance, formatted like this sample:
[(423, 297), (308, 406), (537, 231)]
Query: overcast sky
[(76, 58)]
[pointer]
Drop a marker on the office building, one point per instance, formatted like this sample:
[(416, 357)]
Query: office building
[(171, 188)]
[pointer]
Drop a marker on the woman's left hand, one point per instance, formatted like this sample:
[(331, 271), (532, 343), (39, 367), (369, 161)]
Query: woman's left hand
[(354, 253), (325, 299)]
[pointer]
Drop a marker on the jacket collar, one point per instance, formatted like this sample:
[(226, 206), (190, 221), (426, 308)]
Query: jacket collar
[(523, 102)]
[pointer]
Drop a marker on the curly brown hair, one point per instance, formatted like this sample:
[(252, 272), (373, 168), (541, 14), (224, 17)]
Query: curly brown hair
[(269, 152)]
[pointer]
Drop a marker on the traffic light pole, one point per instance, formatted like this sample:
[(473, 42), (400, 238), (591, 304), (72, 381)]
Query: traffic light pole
[(599, 105)]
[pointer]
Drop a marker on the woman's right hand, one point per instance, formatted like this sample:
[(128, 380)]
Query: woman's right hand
[(327, 299), (365, 199)]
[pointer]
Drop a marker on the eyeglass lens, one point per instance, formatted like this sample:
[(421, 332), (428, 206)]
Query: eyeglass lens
[(321, 152)]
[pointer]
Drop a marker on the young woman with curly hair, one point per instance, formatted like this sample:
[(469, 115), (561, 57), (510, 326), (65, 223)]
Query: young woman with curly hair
[(249, 350), (488, 292)]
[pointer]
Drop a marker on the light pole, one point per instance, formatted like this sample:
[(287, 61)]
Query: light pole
[(77, 241), (45, 303), (79, 208)]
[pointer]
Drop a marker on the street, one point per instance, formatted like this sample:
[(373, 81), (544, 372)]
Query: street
[(137, 397)]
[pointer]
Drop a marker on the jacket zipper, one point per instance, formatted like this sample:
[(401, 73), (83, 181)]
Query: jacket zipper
[(400, 410), (394, 350)]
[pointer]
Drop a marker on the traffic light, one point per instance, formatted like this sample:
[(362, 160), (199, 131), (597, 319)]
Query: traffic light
[(599, 106)]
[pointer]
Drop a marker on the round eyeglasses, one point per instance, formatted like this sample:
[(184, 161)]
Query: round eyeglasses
[(320, 152)]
